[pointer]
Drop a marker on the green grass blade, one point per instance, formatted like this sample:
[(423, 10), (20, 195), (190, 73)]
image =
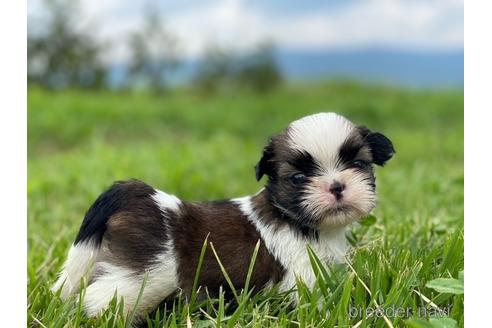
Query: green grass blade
[(130, 319), (224, 272), (198, 271)]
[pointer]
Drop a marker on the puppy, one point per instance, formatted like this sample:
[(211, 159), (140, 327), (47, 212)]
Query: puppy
[(320, 179)]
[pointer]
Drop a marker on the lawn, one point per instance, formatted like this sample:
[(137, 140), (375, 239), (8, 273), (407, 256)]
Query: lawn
[(201, 148)]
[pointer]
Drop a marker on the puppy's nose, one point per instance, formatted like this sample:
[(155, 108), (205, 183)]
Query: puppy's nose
[(336, 189)]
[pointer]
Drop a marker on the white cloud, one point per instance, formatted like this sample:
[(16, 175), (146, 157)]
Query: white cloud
[(429, 24), (377, 22), (228, 23)]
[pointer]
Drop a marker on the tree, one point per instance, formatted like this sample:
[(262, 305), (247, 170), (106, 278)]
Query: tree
[(62, 54), (215, 70), (259, 70), (256, 70), (153, 53)]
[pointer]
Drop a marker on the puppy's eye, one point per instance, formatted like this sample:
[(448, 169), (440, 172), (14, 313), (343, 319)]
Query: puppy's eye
[(298, 178), (359, 164)]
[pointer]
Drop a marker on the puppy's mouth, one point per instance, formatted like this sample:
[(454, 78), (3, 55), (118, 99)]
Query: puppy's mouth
[(345, 210), (340, 208)]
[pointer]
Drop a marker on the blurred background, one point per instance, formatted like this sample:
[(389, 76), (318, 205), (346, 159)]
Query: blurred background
[(185, 94), (165, 90), (249, 43)]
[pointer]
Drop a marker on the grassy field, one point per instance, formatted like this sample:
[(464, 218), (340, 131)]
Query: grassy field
[(205, 148)]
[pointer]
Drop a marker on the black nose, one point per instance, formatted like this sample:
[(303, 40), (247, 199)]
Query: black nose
[(336, 189)]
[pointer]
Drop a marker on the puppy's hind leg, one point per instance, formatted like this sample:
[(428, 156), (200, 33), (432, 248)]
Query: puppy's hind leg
[(79, 264), (153, 286)]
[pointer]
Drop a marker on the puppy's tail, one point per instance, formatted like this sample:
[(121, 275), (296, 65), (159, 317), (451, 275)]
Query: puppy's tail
[(85, 250)]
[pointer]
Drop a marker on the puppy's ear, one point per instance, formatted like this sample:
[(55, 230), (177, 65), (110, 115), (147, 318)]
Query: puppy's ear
[(381, 147), (265, 166)]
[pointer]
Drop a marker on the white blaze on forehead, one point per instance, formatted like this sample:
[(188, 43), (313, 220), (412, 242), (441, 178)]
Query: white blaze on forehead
[(321, 135)]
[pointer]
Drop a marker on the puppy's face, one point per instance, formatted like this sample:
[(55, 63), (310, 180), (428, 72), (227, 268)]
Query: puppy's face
[(320, 170)]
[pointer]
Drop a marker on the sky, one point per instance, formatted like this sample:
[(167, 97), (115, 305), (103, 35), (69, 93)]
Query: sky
[(311, 26)]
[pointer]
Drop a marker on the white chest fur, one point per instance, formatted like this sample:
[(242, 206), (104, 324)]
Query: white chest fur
[(291, 250)]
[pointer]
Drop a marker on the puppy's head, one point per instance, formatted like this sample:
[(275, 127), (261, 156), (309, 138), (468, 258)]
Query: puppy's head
[(320, 170)]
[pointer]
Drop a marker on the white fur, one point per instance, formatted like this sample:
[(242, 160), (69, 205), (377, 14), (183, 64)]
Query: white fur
[(166, 201), (357, 194), (78, 265), (291, 251), (320, 135), (160, 281)]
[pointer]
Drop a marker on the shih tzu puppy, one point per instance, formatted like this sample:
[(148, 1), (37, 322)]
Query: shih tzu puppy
[(320, 179)]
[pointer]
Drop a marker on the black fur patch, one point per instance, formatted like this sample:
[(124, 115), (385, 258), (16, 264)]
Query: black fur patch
[(265, 166), (287, 204), (349, 150), (305, 163), (282, 163), (121, 195), (135, 237), (381, 147)]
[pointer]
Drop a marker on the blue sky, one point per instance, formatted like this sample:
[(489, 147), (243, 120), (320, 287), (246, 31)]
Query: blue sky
[(407, 25)]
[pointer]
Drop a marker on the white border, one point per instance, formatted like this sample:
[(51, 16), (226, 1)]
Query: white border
[(478, 145), (13, 159), (478, 104)]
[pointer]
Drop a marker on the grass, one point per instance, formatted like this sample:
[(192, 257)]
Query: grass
[(205, 148)]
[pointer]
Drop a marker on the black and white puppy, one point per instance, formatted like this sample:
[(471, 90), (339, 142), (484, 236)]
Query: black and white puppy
[(320, 179)]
